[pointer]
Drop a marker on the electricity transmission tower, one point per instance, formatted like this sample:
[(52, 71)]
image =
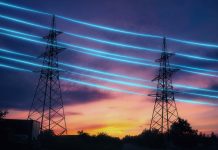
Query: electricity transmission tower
[(47, 106), (165, 111)]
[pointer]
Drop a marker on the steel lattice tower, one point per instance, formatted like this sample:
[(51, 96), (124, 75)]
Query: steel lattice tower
[(165, 111), (47, 106)]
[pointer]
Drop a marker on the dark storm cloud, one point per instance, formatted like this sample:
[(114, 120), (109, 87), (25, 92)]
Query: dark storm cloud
[(80, 95), (214, 86), (16, 90), (73, 113), (18, 94)]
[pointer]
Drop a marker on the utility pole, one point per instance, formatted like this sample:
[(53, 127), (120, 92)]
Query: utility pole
[(47, 105), (165, 111)]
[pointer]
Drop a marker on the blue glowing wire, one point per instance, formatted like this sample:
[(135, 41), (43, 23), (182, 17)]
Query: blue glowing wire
[(116, 55), (138, 85), (113, 43), (138, 47), (142, 64), (112, 29), (107, 57), (193, 68), (106, 53), (115, 81), (23, 8), (16, 53), (100, 51), (99, 78), (197, 57), (118, 59), (77, 46), (193, 88), (77, 21), (14, 68), (195, 102), (126, 77), (101, 86), (109, 28), (28, 63), (201, 95), (20, 33), (107, 42), (102, 72), (108, 73), (20, 61), (200, 73), (193, 43), (81, 68), (105, 87), (108, 80), (130, 92)]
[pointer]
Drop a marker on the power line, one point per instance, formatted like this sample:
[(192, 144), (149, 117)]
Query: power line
[(93, 85), (106, 73), (99, 78), (111, 29), (109, 42), (139, 85), (14, 68), (111, 58), (75, 46)]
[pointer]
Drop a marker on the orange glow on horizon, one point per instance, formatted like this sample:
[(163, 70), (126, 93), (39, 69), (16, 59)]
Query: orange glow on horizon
[(126, 115)]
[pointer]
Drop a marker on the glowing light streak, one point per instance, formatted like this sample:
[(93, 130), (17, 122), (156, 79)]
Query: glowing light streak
[(111, 29), (106, 57), (108, 80), (14, 68), (109, 42), (196, 102), (108, 73), (118, 90), (89, 84)]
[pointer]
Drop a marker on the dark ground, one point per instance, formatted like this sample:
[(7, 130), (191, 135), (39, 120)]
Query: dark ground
[(105, 142), (181, 136)]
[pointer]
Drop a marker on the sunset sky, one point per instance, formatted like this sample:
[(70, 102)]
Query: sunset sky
[(118, 114)]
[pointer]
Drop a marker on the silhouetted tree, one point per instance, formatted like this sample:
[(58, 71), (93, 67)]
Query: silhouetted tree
[(213, 138), (3, 114), (152, 138), (182, 134), (213, 135), (105, 137), (182, 127), (82, 133), (102, 134), (148, 138)]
